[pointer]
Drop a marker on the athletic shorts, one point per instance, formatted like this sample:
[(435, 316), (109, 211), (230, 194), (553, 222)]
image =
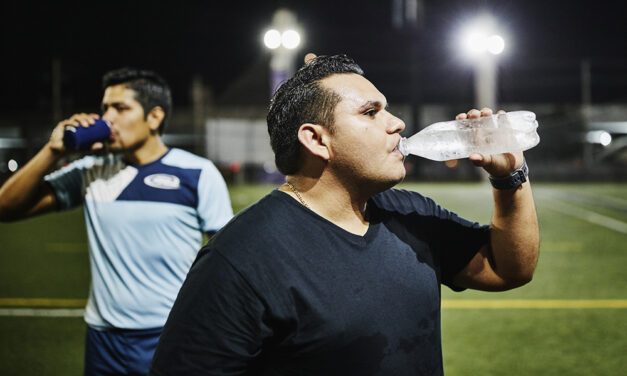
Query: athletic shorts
[(119, 351)]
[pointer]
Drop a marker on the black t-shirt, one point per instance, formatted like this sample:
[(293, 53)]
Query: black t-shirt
[(282, 291)]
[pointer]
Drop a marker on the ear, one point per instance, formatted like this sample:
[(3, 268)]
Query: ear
[(315, 138), (155, 118)]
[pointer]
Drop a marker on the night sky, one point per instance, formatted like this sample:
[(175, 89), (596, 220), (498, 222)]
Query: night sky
[(221, 40)]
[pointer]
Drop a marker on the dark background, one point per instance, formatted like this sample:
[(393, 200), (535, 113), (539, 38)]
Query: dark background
[(419, 66), (219, 40)]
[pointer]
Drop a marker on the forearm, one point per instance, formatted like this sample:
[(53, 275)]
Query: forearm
[(25, 191), (514, 234)]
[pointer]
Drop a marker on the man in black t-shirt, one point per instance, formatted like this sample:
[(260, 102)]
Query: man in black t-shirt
[(334, 273)]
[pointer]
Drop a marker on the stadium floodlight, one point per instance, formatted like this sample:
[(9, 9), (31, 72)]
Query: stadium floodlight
[(482, 36), (495, 44), (283, 40), (476, 43), (12, 165), (599, 137), (290, 39), (481, 40), (272, 39)]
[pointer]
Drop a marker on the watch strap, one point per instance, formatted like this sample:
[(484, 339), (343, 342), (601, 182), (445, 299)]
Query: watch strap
[(513, 180)]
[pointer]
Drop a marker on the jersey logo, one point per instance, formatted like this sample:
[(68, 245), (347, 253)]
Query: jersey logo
[(162, 181)]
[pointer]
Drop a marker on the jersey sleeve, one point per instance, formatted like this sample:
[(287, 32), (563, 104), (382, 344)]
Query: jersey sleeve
[(216, 325), (458, 242), (453, 240), (67, 184), (214, 204)]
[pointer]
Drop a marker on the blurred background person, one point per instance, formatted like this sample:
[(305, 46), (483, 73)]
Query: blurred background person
[(146, 208)]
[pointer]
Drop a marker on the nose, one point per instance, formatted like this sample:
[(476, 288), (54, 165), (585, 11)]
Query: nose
[(108, 115), (394, 124)]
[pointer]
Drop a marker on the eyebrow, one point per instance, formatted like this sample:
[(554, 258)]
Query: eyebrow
[(117, 103), (370, 104)]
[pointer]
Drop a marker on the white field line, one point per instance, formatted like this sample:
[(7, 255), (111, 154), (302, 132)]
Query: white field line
[(43, 302), (534, 303), (587, 215), (42, 312), (446, 304), (594, 198)]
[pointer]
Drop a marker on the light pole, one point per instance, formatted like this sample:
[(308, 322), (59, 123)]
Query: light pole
[(282, 39), (482, 44)]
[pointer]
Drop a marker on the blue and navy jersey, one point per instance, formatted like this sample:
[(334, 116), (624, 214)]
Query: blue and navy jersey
[(144, 225)]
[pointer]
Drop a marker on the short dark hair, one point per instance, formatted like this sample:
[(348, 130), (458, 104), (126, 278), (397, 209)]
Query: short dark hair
[(300, 100), (151, 90)]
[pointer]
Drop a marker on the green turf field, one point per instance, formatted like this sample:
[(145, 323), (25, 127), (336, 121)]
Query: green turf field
[(570, 320)]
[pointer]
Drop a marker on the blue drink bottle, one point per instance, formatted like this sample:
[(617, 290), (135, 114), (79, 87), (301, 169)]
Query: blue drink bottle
[(76, 138)]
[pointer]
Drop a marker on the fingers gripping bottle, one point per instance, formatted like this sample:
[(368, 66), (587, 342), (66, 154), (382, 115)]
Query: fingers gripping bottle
[(499, 133)]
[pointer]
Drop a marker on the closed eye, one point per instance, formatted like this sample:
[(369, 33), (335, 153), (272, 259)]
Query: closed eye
[(371, 108), (372, 112), (119, 107)]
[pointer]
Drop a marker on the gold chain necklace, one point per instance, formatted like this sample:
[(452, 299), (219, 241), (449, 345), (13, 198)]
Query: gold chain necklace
[(300, 198)]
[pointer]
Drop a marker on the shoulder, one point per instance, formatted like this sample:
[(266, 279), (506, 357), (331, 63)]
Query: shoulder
[(184, 159), (404, 202), (252, 221), (261, 243), (259, 228), (399, 202)]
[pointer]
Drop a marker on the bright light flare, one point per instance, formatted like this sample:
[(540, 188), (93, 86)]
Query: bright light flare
[(477, 42), (272, 39), (599, 137), (12, 165), (495, 44), (290, 39), (481, 36)]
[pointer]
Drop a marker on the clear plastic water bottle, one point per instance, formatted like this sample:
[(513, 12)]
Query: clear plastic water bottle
[(456, 139)]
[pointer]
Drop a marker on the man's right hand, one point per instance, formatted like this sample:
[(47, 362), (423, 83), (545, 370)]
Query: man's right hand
[(76, 120), (25, 193)]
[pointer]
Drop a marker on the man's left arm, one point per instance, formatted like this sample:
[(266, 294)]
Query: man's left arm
[(510, 257)]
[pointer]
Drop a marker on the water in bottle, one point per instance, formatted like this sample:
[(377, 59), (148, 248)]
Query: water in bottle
[(499, 133)]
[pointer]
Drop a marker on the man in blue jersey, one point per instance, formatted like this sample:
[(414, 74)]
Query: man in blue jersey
[(146, 208), (334, 273)]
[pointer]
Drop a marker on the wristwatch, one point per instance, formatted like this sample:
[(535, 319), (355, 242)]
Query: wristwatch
[(513, 180)]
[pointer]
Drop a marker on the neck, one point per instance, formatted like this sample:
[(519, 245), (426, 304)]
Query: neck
[(149, 151), (332, 201)]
